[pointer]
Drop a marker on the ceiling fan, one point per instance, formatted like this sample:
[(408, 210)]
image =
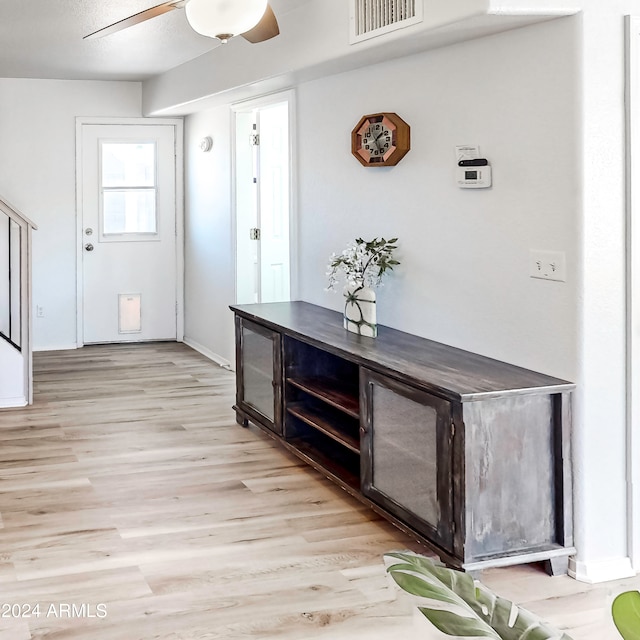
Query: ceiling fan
[(254, 20)]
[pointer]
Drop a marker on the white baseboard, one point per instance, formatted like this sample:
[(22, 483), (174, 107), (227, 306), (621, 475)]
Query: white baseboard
[(68, 347), (223, 362), (13, 403), (601, 570)]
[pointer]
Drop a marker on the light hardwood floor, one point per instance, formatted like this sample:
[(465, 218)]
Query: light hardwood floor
[(129, 490)]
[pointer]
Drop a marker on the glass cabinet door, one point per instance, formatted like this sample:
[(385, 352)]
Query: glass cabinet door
[(259, 374), (406, 466)]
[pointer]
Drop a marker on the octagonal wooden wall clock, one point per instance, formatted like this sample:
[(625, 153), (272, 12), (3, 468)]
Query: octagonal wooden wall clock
[(380, 140)]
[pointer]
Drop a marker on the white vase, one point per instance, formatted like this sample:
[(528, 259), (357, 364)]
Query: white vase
[(360, 310)]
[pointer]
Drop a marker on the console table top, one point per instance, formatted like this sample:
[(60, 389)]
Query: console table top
[(449, 371)]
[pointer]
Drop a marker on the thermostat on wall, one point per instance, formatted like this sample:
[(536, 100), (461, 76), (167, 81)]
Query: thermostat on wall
[(474, 174)]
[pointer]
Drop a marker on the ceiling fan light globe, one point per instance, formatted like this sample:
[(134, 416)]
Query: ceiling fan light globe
[(224, 18)]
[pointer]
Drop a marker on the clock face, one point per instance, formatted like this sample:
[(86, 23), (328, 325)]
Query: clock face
[(377, 140), (380, 140)]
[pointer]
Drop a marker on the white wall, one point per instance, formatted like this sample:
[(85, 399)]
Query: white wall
[(12, 376), (464, 278), (37, 174), (209, 268)]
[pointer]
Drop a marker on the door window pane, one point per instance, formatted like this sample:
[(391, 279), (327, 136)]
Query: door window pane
[(132, 211), (126, 164), (128, 187)]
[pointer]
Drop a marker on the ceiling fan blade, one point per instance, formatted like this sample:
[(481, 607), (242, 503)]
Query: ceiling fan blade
[(265, 29), (137, 18)]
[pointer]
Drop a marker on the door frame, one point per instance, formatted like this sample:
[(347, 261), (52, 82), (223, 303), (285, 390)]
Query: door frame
[(178, 125), (245, 106), (632, 103)]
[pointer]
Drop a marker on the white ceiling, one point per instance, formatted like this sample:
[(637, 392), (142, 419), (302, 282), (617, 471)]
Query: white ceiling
[(43, 39)]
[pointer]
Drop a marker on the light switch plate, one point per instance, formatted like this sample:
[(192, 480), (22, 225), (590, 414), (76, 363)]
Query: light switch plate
[(548, 265)]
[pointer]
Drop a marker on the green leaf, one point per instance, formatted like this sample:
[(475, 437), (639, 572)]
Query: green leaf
[(419, 587), (456, 606), (455, 625), (458, 582), (626, 614)]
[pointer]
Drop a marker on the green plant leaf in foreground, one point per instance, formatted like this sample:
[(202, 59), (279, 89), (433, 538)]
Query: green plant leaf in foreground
[(450, 612), (626, 614), (455, 625), (460, 608)]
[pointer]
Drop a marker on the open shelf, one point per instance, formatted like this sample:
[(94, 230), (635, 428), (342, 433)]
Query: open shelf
[(322, 410), (318, 420), (338, 466), (325, 441), (328, 390)]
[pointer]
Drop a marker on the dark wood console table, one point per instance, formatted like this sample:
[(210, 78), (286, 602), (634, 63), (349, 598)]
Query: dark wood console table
[(468, 454)]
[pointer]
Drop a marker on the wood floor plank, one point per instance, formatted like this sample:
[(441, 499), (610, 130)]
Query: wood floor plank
[(129, 485)]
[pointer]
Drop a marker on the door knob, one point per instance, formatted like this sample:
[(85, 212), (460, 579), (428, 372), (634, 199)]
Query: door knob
[(88, 247)]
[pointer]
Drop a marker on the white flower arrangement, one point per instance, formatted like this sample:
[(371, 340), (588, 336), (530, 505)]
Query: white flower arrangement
[(362, 263)]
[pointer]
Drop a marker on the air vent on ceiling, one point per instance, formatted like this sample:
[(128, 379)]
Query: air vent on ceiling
[(372, 18)]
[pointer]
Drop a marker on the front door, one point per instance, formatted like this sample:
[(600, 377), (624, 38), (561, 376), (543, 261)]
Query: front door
[(128, 211)]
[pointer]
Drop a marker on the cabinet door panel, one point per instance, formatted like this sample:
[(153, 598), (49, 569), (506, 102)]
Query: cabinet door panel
[(260, 376), (405, 458), (258, 372), (407, 461)]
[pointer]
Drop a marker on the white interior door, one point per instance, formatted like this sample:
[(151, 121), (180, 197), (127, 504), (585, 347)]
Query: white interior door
[(263, 169), (273, 183), (128, 210)]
